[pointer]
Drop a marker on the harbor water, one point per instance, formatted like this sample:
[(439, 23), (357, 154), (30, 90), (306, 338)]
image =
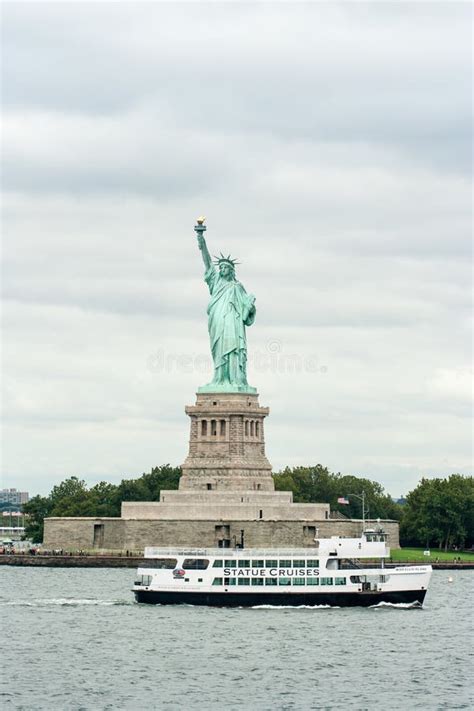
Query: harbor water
[(74, 639)]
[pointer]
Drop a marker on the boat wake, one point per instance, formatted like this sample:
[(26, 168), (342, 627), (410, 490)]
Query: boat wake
[(62, 602), (295, 607), (398, 605)]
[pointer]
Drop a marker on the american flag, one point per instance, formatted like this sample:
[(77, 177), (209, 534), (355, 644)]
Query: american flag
[(343, 500)]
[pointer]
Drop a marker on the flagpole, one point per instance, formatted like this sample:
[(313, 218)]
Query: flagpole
[(362, 498)]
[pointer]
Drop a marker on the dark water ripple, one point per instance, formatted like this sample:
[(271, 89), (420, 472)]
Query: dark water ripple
[(74, 640)]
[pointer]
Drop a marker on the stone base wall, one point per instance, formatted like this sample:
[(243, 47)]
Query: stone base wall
[(122, 534), (222, 510), (177, 496)]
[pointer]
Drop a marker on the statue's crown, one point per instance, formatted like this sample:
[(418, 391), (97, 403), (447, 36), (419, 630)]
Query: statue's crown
[(225, 260)]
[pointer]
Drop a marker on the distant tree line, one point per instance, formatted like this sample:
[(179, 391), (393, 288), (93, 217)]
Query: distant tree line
[(317, 483), (438, 512), (72, 497)]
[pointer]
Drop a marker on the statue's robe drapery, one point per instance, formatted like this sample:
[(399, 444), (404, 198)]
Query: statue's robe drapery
[(230, 310)]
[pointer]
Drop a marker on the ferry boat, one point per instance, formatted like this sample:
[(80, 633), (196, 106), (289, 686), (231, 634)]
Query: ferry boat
[(336, 571)]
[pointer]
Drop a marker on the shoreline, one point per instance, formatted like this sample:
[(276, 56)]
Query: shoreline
[(110, 561)]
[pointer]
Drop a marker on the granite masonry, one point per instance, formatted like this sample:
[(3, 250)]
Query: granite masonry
[(226, 495)]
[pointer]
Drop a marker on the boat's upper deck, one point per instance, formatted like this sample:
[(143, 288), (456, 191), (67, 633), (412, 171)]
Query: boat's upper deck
[(371, 545)]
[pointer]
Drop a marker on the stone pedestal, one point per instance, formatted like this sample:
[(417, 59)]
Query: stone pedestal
[(227, 445), (226, 475)]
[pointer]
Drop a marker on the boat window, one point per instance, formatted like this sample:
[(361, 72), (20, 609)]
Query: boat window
[(166, 563), (375, 537), (312, 581), (271, 581), (257, 581), (285, 564), (195, 564), (143, 580), (217, 581), (230, 564), (229, 581), (284, 581), (243, 581), (384, 578), (217, 563), (299, 564), (348, 564), (355, 579), (298, 581), (271, 564), (339, 581), (312, 563), (326, 581), (244, 564), (258, 564)]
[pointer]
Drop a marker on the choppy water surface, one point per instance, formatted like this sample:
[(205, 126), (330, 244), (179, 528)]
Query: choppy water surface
[(74, 639)]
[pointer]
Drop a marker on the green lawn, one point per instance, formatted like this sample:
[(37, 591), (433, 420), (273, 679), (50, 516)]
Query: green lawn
[(417, 554)]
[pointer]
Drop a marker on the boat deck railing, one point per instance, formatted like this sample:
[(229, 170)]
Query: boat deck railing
[(234, 552), (245, 553)]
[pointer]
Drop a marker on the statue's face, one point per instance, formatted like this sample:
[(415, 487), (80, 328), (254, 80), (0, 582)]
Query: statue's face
[(226, 271)]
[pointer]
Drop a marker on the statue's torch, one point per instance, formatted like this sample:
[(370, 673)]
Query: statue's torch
[(200, 228)]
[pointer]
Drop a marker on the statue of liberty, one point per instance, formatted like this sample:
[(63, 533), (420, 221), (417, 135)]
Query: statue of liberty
[(229, 311)]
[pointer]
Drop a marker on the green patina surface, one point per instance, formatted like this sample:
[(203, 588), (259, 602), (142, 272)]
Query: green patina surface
[(230, 311)]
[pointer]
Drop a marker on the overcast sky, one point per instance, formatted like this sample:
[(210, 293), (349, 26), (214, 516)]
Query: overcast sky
[(328, 144)]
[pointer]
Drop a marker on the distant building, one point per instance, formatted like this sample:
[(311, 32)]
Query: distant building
[(12, 496)]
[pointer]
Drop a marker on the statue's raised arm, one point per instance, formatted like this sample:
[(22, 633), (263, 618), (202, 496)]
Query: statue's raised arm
[(206, 257), (230, 310)]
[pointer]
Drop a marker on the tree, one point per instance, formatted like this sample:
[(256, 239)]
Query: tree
[(147, 487), (37, 509), (71, 498), (441, 512), (102, 500), (317, 483)]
